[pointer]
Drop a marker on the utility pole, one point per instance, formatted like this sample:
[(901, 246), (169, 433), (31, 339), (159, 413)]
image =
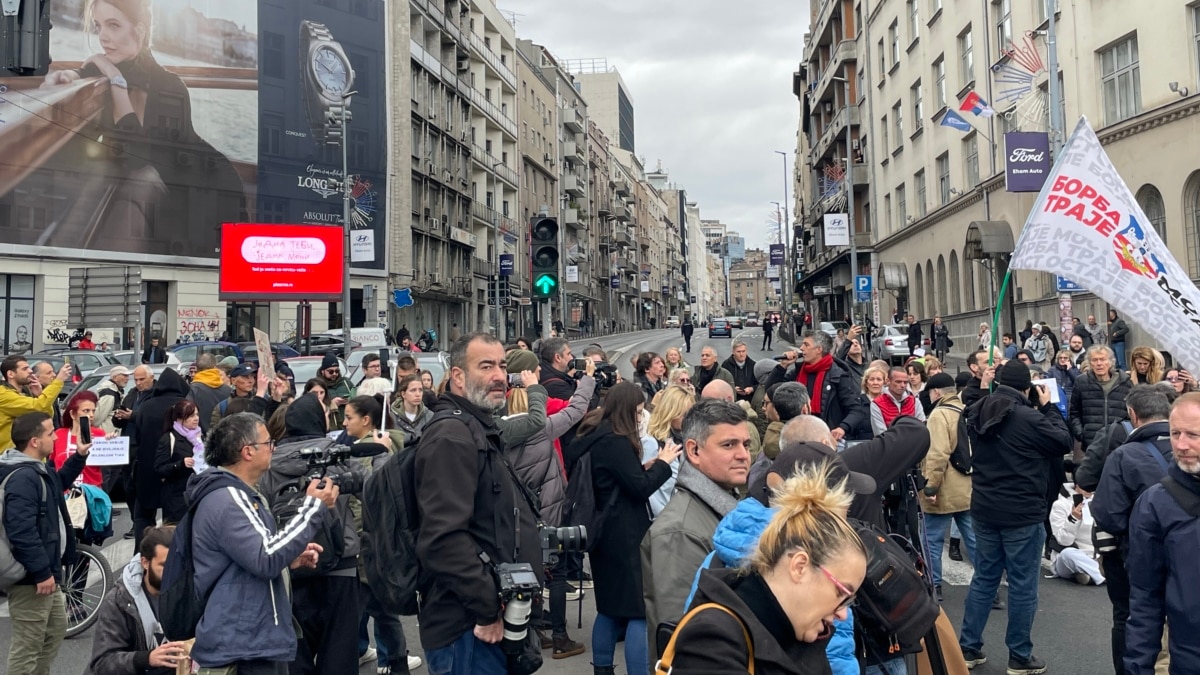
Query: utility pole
[(1057, 124), (496, 256), (848, 183), (346, 188), (786, 276)]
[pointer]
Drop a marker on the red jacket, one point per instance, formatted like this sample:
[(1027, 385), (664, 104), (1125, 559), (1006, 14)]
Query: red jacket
[(887, 406), (554, 405)]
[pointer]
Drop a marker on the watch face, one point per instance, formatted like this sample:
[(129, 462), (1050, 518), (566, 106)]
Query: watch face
[(331, 71)]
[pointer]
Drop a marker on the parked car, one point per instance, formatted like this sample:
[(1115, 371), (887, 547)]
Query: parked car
[(720, 328), (323, 343), (83, 361), (93, 380), (190, 351), (279, 349), (891, 343), (131, 358), (306, 368), (671, 322)]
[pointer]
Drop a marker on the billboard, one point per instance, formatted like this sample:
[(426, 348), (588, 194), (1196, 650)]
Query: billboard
[(160, 120), (1027, 161), (281, 262)]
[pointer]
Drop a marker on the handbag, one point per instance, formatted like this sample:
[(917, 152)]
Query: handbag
[(77, 508), (664, 665)]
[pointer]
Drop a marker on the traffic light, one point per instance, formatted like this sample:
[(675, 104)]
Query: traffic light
[(544, 232)]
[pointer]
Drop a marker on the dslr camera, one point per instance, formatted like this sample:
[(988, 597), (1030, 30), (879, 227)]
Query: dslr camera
[(606, 375), (518, 586), (330, 463), (558, 540)]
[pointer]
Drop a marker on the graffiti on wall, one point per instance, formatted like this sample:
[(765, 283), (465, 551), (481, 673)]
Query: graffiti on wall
[(198, 324)]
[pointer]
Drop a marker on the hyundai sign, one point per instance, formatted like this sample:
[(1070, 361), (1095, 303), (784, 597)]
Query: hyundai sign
[(1027, 160)]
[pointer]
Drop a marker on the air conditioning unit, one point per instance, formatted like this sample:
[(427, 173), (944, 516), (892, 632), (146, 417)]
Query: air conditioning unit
[(435, 224), (433, 114), (463, 65), (854, 144), (435, 279), (546, 158)]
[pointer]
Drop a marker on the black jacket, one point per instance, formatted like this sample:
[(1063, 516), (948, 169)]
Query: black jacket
[(1087, 474), (168, 464), (1128, 472), (153, 355), (466, 500), (1013, 449), (649, 388), (148, 424), (686, 329), (742, 376), (1084, 334), (914, 334), (841, 405), (886, 458), (34, 526), (616, 561), (1091, 411), (713, 641), (557, 383), (119, 643), (1117, 331), (133, 400), (973, 392)]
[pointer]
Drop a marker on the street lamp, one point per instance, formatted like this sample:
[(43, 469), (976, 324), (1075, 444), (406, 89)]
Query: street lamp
[(784, 225), (344, 119), (496, 245)]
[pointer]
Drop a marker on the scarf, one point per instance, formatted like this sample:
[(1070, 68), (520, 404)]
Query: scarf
[(193, 435), (132, 578), (812, 375)]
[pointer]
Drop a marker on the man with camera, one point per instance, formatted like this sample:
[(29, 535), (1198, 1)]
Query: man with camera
[(1017, 436), (472, 511), (558, 364)]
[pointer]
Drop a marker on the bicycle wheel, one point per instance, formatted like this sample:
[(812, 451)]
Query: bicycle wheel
[(89, 581)]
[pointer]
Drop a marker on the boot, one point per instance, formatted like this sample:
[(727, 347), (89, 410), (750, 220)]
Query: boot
[(955, 549), (565, 647), (604, 670)]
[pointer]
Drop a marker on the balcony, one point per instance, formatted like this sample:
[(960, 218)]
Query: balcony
[(621, 236), (643, 242), (573, 186), (621, 213), (498, 116), (845, 52), (489, 57), (835, 131), (482, 268), (622, 262), (572, 119), (573, 151), (489, 217), (622, 188), (570, 217), (486, 160)]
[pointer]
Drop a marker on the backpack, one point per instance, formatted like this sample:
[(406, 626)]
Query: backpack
[(180, 605), (12, 571), (960, 457), (895, 604), (391, 520), (579, 507), (286, 497)]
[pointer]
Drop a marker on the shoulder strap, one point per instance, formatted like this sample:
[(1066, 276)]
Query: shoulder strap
[(41, 484), (668, 657), (1157, 454), (1187, 499), (223, 405)]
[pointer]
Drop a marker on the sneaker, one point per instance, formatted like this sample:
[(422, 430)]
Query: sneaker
[(997, 603), (565, 647), (546, 641), (1030, 666), (367, 656), (129, 534), (937, 592), (586, 582), (415, 662), (1083, 579), (956, 550), (973, 657)]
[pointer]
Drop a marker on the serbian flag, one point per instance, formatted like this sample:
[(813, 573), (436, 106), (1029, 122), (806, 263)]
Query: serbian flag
[(975, 104), (1087, 226)]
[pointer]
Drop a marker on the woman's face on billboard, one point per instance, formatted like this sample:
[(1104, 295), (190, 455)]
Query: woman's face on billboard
[(120, 38)]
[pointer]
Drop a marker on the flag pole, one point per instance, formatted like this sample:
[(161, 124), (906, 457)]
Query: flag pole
[(996, 316)]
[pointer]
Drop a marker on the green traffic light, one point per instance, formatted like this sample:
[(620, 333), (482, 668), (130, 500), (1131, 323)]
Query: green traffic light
[(545, 284)]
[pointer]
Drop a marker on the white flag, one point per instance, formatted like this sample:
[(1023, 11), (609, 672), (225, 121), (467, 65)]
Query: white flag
[(1087, 226)]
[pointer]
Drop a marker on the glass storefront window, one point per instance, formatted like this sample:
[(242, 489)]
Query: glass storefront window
[(16, 312)]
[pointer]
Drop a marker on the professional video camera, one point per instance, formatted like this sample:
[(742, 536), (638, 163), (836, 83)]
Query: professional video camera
[(556, 540), (330, 463), (606, 375)]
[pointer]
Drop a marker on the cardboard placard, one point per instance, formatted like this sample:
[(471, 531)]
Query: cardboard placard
[(266, 360), (109, 452)]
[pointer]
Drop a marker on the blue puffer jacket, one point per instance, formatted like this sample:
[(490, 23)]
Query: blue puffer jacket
[(735, 539)]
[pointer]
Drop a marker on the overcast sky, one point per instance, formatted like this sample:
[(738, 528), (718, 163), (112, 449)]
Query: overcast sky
[(711, 84)]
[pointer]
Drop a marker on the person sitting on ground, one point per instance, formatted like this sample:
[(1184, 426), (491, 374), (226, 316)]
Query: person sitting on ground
[(1071, 525)]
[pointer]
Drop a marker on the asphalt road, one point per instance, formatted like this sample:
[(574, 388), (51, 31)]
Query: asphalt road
[(1071, 630)]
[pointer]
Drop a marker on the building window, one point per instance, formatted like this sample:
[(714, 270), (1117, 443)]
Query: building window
[(1120, 80), (887, 212), (914, 21), (16, 313), (1151, 201), (898, 119), (272, 54), (966, 57), (902, 205), (270, 136), (943, 173), (1003, 25), (1191, 223), (918, 106), (1196, 33), (894, 37), (939, 78), (919, 181), (882, 60), (971, 160), (883, 127)]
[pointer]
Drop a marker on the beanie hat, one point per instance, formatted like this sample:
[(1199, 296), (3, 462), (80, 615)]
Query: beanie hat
[(763, 369), (940, 381), (963, 379), (230, 362), (1016, 375), (520, 360), (1037, 327), (330, 361)]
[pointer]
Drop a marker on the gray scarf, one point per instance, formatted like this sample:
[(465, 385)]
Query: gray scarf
[(132, 577), (717, 498)]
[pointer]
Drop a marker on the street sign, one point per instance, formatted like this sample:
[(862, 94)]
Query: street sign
[(402, 297), (507, 263), (1065, 285), (615, 281), (572, 274), (863, 297), (863, 284)]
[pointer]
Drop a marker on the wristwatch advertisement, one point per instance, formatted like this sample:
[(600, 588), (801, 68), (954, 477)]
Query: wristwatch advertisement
[(328, 77)]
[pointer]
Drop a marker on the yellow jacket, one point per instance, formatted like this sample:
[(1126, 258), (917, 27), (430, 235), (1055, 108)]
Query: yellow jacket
[(13, 404)]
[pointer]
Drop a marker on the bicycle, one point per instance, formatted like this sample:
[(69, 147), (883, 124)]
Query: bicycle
[(88, 581)]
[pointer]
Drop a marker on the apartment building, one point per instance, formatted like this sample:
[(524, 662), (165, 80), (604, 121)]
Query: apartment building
[(749, 288), (1133, 75), (537, 113), (680, 242)]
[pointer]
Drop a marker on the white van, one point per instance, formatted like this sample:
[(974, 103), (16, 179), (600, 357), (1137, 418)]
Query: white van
[(672, 322), (367, 337)]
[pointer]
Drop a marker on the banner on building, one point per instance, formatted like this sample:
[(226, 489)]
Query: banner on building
[(1087, 226), (1027, 160), (837, 229), (508, 263), (777, 252), (238, 99), (645, 286)]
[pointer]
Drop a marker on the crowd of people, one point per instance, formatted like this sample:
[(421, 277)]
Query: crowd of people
[(728, 499)]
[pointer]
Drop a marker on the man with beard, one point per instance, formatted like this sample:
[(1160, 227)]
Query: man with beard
[(338, 389), (709, 370), (469, 505), (125, 640)]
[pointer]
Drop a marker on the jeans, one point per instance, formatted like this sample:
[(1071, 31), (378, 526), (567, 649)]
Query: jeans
[(1016, 551), (248, 668), (39, 623), (466, 656), (390, 644), (766, 346), (1119, 349), (896, 666), (935, 537), (1117, 584), (604, 643)]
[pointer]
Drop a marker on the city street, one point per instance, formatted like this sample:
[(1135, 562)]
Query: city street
[(1071, 630)]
